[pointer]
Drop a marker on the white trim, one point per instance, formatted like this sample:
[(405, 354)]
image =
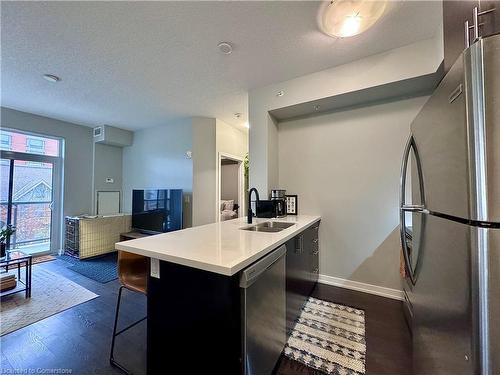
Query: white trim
[(361, 287)]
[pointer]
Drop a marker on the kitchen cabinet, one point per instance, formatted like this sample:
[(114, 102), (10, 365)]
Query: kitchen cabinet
[(302, 269), (219, 295), (455, 13)]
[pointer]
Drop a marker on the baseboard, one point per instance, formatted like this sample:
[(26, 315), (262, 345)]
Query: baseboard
[(361, 287)]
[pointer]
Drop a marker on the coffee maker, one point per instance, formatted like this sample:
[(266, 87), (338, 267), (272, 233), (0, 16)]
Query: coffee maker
[(278, 199)]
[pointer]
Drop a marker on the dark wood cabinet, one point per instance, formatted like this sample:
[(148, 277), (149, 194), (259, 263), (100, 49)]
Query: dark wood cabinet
[(455, 14), (302, 269), (190, 309)]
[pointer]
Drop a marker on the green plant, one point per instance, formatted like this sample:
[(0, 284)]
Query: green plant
[(246, 164), (6, 232)]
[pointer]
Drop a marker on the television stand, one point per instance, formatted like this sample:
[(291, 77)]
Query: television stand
[(133, 235)]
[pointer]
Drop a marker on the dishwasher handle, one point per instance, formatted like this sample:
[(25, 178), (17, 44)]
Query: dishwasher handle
[(252, 273)]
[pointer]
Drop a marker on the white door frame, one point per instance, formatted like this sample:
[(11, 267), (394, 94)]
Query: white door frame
[(56, 230), (241, 182)]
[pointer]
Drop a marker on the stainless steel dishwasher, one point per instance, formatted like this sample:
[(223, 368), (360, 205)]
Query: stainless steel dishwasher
[(263, 313)]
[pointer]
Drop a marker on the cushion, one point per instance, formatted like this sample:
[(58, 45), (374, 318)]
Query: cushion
[(228, 205)]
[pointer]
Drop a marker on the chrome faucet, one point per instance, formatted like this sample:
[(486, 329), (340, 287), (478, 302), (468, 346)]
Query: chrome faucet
[(249, 212)]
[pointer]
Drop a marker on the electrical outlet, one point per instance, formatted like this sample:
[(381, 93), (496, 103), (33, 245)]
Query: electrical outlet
[(155, 268)]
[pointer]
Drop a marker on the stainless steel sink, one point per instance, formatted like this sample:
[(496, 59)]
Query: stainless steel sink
[(269, 226)]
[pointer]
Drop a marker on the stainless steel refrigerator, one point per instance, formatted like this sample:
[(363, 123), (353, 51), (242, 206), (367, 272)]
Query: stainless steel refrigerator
[(450, 220)]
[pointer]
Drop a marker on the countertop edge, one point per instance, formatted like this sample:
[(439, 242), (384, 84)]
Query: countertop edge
[(226, 271)]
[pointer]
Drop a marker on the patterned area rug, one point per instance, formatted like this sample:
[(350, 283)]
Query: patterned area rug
[(50, 294), (329, 338)]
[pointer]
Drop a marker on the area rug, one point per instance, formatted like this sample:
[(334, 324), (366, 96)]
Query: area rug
[(329, 338), (36, 260), (102, 269), (43, 259), (50, 294)]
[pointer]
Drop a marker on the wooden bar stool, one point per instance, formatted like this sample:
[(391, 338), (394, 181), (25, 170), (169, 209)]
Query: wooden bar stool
[(133, 275)]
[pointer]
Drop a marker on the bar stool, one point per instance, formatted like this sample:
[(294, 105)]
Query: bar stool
[(133, 275)]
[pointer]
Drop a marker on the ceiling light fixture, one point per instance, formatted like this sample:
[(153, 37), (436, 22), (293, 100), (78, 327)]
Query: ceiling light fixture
[(51, 78), (246, 125), (345, 18), (225, 47)]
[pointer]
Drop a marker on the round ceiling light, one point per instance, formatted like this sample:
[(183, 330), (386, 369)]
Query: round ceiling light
[(225, 47), (51, 78), (344, 18)]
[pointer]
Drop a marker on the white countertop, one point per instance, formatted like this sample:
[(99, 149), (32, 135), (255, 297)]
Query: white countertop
[(220, 247)]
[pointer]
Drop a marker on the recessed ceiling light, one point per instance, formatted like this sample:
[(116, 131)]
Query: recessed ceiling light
[(51, 78), (344, 18), (225, 47)]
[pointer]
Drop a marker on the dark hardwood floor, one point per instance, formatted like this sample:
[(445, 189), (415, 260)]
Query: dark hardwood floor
[(388, 341), (79, 338)]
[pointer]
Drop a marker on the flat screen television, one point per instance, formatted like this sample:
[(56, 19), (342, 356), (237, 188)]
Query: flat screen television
[(157, 210)]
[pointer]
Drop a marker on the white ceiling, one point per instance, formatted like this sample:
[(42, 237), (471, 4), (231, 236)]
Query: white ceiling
[(142, 64)]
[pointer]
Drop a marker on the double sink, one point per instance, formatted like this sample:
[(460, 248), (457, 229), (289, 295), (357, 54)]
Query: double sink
[(269, 226)]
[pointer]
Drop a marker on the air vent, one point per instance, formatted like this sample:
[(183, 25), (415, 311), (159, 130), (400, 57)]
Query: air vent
[(109, 135)]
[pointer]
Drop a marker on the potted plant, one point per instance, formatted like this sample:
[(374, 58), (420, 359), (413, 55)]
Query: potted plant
[(5, 233)]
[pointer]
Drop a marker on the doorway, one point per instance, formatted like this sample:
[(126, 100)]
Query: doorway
[(31, 181), (230, 192)]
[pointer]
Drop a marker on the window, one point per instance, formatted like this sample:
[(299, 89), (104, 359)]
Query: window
[(6, 142), (35, 146), (15, 141)]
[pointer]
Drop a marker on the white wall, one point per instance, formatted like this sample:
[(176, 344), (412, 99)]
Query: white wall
[(231, 140), (157, 159), (78, 155), (414, 60), (345, 167), (107, 163), (204, 171), (229, 182)]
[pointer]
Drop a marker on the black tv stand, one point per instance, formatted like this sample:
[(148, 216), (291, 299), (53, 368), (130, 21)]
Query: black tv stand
[(133, 235)]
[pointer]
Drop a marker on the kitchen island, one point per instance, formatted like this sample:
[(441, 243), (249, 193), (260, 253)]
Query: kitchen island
[(196, 308)]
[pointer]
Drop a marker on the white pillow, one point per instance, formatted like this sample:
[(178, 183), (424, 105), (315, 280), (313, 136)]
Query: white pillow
[(229, 205)]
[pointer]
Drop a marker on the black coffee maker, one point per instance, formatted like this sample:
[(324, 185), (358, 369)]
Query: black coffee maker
[(279, 203)]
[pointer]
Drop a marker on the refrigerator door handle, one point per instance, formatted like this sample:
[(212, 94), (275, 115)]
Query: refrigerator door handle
[(410, 145), (412, 208), (403, 207)]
